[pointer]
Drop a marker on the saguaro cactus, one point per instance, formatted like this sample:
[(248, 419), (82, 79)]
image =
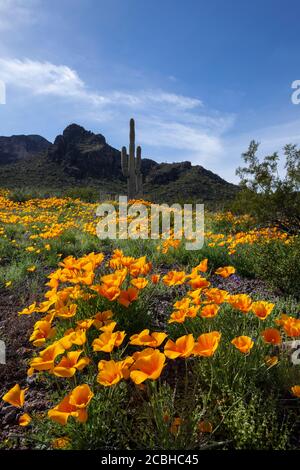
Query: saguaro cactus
[(131, 166)]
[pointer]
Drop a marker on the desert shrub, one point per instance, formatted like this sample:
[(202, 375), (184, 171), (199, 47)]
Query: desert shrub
[(265, 194), (85, 194), (278, 264), (24, 194), (21, 195)]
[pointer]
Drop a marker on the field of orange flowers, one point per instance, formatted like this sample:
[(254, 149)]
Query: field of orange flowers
[(140, 344)]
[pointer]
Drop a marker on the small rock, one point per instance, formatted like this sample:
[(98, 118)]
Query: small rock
[(10, 417)]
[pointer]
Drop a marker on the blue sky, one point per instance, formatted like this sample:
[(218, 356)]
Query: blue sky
[(202, 78)]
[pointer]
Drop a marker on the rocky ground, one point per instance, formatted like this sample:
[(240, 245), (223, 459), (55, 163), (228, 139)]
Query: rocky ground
[(14, 330)]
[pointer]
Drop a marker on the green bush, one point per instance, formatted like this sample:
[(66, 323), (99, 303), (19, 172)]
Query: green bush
[(267, 195), (278, 264), (84, 193)]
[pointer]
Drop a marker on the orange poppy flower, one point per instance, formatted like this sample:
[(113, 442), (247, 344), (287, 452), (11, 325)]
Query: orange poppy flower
[(191, 312), (117, 253), (174, 278), (71, 337), (282, 319), (176, 423), (46, 358), (271, 361), (139, 282), (202, 266), (178, 316), (41, 332), (85, 324), (74, 404), (205, 426), (15, 396), (81, 396), (127, 261), (182, 347), (148, 364), (182, 304), (28, 310), (109, 292), (207, 344), (67, 311), (108, 340), (199, 282), (115, 263), (296, 391), (241, 302), (109, 326), (24, 420), (140, 266), (155, 278), (70, 363), (146, 268), (271, 336), (262, 309), (128, 296), (209, 311), (243, 343), (196, 296), (115, 279), (144, 338), (44, 306), (101, 318), (111, 372), (292, 327), (215, 295), (226, 271)]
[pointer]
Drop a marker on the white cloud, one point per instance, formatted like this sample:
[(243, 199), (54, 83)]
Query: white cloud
[(14, 13), (50, 79), (189, 141), (179, 101), (44, 78), (166, 120)]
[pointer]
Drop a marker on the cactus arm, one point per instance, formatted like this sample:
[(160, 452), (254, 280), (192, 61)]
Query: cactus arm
[(138, 161), (124, 162), (138, 175)]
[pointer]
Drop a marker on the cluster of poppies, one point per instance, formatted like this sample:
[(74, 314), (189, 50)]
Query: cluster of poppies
[(71, 342), (43, 220), (256, 235)]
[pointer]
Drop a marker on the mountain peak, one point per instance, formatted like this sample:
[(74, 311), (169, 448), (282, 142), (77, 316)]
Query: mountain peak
[(75, 133), (85, 154), (18, 147)]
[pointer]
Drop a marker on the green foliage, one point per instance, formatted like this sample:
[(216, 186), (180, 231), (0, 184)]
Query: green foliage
[(264, 193), (278, 264), (24, 194), (252, 423), (86, 194)]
